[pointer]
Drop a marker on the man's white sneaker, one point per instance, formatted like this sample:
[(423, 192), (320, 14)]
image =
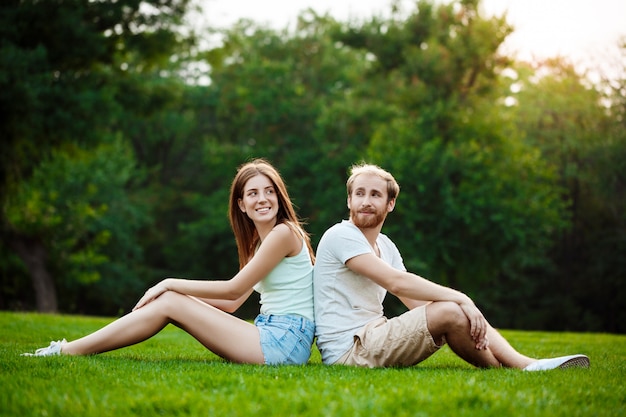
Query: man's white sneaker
[(573, 361), (53, 349)]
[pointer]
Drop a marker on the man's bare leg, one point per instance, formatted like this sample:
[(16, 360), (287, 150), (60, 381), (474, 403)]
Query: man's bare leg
[(447, 320)]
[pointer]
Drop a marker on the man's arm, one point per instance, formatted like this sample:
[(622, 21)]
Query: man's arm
[(400, 283), (411, 288), (411, 303)]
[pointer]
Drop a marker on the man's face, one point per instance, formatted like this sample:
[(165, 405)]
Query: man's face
[(368, 201)]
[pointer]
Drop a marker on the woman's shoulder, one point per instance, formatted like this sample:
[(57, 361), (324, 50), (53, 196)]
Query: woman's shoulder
[(287, 228), (287, 231), (291, 235)]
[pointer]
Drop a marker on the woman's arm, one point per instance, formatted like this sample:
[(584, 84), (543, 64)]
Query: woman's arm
[(229, 306), (278, 244)]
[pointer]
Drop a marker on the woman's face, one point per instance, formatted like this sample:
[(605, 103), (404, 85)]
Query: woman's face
[(259, 201)]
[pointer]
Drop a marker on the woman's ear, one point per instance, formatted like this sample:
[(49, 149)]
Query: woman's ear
[(242, 207)]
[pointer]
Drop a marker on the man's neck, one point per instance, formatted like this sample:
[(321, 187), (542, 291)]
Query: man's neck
[(370, 233)]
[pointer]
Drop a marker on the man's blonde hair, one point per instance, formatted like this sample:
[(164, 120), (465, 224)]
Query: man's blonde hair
[(393, 189)]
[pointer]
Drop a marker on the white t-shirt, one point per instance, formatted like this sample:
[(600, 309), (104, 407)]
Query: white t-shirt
[(344, 300)]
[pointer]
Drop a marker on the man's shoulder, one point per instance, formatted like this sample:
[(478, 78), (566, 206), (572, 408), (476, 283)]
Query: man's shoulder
[(343, 228)]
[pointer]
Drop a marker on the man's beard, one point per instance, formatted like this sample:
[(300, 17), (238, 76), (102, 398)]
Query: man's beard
[(367, 222)]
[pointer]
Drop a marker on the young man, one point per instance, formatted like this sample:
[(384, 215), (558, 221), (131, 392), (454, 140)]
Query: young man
[(356, 265)]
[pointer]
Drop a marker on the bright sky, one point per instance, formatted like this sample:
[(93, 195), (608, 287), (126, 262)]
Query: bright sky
[(582, 30)]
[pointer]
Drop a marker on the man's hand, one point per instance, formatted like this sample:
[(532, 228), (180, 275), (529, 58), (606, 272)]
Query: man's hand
[(478, 324)]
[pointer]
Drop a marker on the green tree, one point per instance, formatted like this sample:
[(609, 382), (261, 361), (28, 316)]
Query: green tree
[(476, 205), (285, 96), (60, 62), (79, 219), (579, 131), (290, 97)]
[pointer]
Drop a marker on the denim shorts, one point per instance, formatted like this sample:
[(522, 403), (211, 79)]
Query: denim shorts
[(285, 340)]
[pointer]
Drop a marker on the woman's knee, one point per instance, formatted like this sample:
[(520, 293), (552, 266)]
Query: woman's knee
[(167, 300)]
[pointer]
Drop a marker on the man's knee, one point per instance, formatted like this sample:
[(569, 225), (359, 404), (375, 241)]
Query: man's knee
[(442, 315)]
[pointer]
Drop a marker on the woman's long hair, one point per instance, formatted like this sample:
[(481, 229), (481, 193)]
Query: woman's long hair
[(246, 234)]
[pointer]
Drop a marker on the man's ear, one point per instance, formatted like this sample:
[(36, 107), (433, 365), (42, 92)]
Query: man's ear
[(391, 205), (348, 202)]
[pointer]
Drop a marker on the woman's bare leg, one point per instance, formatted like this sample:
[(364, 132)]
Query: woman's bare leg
[(225, 335), (446, 319)]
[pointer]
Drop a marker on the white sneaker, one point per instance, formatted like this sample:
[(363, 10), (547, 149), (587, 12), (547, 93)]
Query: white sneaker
[(53, 349), (573, 361)]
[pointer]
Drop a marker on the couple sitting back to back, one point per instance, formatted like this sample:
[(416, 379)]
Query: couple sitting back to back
[(338, 301)]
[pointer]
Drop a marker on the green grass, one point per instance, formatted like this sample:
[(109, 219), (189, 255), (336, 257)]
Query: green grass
[(173, 375)]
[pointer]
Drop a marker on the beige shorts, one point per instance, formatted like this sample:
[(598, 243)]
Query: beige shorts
[(400, 341)]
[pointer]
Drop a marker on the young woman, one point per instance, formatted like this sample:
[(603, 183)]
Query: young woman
[(275, 258)]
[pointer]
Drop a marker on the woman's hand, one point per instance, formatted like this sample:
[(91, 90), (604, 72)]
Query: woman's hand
[(152, 293)]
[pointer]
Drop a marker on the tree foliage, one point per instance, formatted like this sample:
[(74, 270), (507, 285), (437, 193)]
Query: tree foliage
[(567, 119), (477, 205), (62, 63)]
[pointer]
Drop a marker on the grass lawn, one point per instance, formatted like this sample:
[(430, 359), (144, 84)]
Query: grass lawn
[(173, 375)]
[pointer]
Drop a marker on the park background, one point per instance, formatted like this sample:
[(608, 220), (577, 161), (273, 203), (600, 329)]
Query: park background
[(123, 123)]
